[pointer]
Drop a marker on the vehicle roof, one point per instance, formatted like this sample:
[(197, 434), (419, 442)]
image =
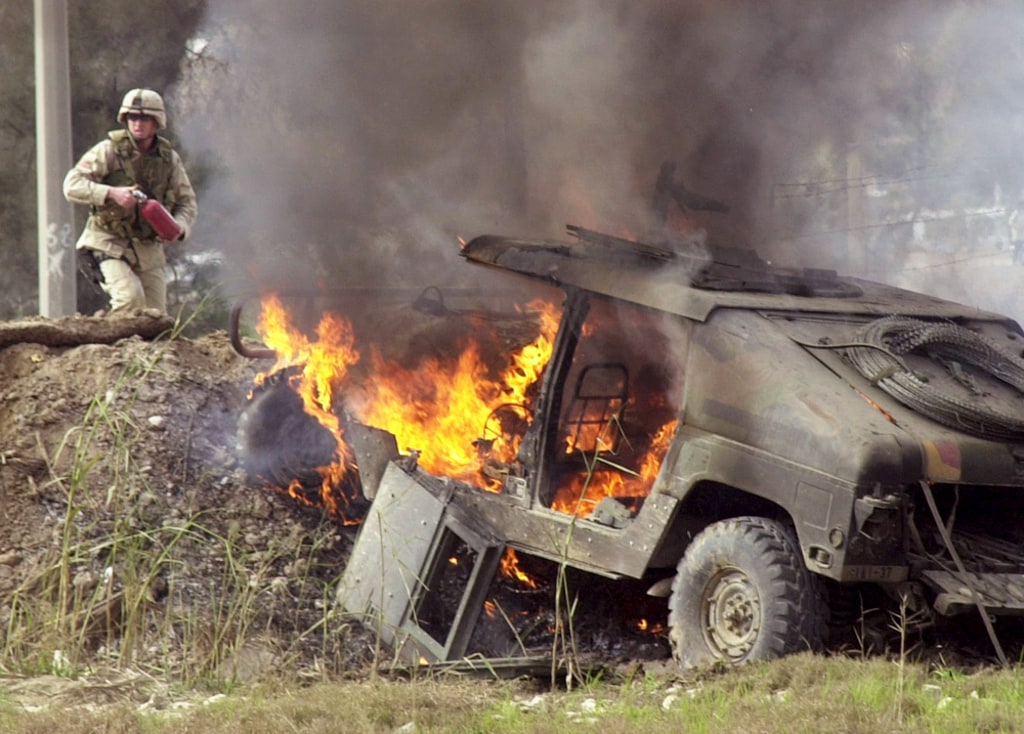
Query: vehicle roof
[(692, 279)]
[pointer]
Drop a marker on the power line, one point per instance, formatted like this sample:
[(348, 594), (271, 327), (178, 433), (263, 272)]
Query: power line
[(897, 223)]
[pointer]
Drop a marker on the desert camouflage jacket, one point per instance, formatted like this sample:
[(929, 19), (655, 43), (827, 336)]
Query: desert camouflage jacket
[(117, 161)]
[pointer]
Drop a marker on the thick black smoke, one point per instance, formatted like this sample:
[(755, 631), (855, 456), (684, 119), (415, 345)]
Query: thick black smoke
[(357, 140)]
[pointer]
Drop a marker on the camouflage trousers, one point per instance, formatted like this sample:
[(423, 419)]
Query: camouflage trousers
[(133, 287)]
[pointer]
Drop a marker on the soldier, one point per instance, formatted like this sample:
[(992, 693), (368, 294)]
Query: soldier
[(128, 165)]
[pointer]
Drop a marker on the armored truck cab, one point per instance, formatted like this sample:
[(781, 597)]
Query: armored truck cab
[(759, 444)]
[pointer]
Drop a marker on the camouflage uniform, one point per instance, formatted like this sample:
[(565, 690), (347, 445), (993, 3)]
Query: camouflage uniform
[(132, 258)]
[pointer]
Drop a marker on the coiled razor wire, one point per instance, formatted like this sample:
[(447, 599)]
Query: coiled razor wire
[(880, 360)]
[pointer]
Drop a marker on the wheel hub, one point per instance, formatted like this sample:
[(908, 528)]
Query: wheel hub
[(731, 614)]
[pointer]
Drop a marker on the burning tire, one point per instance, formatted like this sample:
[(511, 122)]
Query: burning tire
[(288, 449), (742, 593), (281, 443)]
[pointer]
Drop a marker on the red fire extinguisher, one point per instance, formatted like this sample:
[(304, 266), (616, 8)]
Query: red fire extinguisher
[(158, 217)]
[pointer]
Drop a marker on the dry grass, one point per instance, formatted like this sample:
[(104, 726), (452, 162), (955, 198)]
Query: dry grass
[(804, 693), (108, 590)]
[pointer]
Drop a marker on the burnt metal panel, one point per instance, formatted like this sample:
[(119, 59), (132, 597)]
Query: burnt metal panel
[(667, 283), (749, 382), (390, 552), (928, 449), (400, 580), (818, 502), (441, 616), (373, 449), (584, 543)]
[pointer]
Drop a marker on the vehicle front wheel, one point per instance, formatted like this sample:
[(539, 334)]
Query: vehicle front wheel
[(742, 593)]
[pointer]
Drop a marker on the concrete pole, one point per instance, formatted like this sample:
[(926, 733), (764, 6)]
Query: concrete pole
[(55, 219)]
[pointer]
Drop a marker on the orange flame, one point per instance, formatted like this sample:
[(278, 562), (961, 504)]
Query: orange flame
[(439, 408), (324, 365), (644, 626), (581, 495), (510, 569), (442, 409)]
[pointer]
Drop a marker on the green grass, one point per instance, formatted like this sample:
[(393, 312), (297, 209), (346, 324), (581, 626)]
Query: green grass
[(805, 693)]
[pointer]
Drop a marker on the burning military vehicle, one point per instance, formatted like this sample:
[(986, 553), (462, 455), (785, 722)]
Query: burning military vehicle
[(758, 449)]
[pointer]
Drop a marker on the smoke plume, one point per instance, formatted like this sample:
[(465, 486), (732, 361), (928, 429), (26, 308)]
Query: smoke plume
[(355, 141)]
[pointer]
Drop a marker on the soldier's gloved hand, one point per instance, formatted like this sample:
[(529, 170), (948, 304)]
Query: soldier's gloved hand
[(122, 195)]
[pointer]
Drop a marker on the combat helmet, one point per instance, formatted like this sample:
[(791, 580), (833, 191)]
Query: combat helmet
[(146, 102)]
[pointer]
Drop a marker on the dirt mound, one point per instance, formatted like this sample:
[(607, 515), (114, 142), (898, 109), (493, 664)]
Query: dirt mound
[(130, 531)]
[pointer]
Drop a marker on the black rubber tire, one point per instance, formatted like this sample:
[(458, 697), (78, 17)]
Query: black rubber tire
[(742, 593), (279, 442)]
